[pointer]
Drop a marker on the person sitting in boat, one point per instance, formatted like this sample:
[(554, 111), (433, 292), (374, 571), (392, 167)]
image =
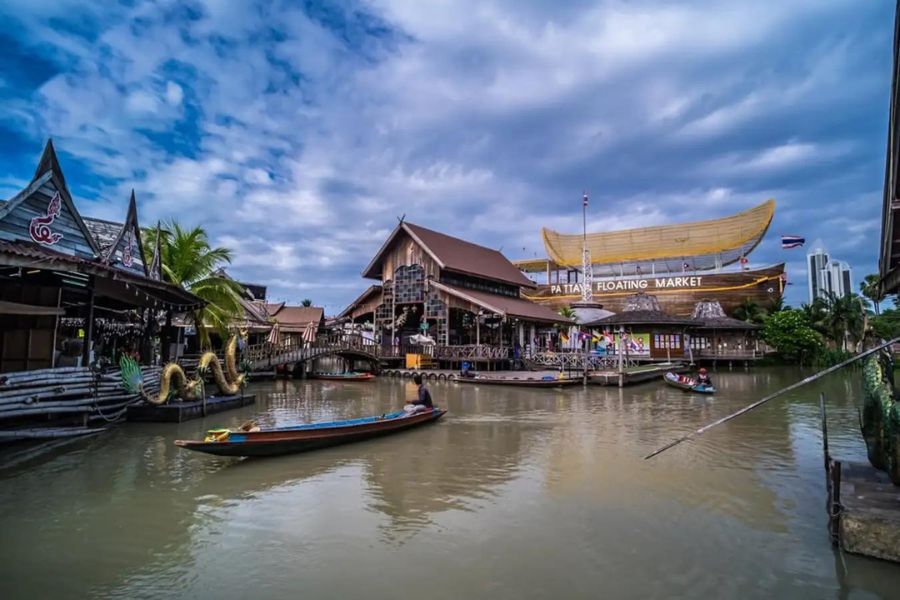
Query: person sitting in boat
[(703, 377), (423, 400)]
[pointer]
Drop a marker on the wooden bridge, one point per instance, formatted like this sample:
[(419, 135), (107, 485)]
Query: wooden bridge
[(266, 356)]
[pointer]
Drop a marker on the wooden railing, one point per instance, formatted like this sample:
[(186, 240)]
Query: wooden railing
[(266, 355), (576, 361), (726, 354), (472, 352)]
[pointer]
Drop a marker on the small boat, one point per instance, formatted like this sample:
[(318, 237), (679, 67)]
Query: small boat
[(251, 441), (687, 384), (350, 376), (544, 382)]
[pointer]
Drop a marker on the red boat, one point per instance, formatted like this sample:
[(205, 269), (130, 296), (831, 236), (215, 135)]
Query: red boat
[(311, 436), (346, 376)]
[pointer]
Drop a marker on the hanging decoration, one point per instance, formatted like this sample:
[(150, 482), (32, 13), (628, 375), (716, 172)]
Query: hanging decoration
[(39, 228)]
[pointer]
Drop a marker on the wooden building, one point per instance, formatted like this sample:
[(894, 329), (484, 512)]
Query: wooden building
[(67, 295), (650, 333), (458, 293), (679, 264), (718, 337), (297, 324)]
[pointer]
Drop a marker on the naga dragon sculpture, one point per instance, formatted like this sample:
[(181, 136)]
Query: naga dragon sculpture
[(174, 381)]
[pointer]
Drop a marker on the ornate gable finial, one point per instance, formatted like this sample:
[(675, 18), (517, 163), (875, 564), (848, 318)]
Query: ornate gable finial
[(50, 162), (155, 270), (128, 240)]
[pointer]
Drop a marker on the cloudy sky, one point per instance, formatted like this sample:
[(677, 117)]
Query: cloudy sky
[(297, 132)]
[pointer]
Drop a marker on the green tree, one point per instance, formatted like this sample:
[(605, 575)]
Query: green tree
[(306, 302), (843, 318), (791, 335), (749, 311), (566, 312), (815, 315), (869, 287), (188, 260), (886, 326), (776, 305)]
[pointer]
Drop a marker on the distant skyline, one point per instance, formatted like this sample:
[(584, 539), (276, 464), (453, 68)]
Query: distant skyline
[(297, 133)]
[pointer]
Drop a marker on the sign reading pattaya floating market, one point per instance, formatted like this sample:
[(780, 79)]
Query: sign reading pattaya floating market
[(631, 285)]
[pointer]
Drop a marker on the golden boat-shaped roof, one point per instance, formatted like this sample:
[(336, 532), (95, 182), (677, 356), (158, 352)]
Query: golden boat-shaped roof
[(700, 242)]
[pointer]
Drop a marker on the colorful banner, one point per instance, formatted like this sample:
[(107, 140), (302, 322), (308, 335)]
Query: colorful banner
[(636, 344)]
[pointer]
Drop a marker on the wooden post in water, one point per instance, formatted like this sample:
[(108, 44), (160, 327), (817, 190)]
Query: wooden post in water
[(621, 346), (88, 327)]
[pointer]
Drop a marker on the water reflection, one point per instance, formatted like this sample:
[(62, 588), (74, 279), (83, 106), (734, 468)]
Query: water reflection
[(512, 493)]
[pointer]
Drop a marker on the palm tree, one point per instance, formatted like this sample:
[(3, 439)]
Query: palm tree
[(566, 312), (869, 287), (815, 315), (189, 261), (306, 302), (776, 305), (749, 311), (843, 318)]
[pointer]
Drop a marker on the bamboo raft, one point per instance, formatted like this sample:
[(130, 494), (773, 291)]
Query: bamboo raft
[(64, 402)]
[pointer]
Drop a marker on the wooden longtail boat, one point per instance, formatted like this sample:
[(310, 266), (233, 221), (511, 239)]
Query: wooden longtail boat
[(527, 382), (686, 384), (310, 436), (346, 376)]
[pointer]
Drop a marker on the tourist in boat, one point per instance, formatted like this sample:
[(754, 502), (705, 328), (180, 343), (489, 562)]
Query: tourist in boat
[(703, 377), (423, 400)]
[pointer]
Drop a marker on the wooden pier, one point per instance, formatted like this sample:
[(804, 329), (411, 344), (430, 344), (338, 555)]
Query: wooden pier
[(177, 412), (863, 505), (633, 375)]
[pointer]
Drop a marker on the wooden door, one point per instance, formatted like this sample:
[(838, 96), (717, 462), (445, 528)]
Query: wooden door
[(666, 344)]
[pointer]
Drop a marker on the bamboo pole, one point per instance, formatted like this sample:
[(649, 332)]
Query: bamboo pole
[(772, 396)]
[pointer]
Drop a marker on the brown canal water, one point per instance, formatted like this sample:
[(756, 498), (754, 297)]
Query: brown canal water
[(517, 493)]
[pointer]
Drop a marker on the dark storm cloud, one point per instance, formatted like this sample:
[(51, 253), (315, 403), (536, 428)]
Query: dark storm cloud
[(298, 132)]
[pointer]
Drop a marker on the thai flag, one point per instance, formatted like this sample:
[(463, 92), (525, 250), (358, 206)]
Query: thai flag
[(792, 241)]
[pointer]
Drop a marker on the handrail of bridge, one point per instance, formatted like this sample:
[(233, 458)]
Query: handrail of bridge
[(298, 350), (576, 361), (471, 352)]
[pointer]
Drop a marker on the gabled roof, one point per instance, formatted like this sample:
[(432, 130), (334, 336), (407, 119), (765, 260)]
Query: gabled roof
[(154, 271), (506, 306), (45, 208), (295, 318), (127, 250), (453, 254), (368, 293), (641, 317), (254, 311)]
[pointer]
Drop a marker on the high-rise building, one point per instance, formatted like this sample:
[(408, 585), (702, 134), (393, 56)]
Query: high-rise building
[(816, 260), (825, 274)]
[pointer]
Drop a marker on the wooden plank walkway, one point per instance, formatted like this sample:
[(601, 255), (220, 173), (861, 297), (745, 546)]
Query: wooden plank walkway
[(869, 514)]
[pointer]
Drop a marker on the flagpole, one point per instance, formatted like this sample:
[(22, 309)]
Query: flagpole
[(587, 269)]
